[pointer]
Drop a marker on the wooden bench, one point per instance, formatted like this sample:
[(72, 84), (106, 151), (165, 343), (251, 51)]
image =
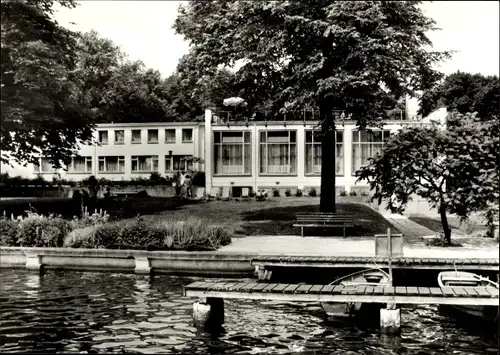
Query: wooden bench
[(323, 220)]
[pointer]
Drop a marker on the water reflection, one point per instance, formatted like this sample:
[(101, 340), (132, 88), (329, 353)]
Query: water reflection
[(75, 312)]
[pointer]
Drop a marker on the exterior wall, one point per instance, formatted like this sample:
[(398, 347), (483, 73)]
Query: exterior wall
[(346, 181), (127, 149)]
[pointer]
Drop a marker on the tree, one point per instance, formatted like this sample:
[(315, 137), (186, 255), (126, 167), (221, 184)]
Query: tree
[(465, 92), (359, 57), (40, 112), (455, 170)]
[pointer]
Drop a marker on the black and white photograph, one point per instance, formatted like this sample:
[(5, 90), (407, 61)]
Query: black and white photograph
[(244, 177)]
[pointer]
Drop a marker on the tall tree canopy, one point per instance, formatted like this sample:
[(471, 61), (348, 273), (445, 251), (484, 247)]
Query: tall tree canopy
[(465, 92), (41, 112), (356, 56)]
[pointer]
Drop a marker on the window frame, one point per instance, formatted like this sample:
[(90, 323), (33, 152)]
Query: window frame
[(99, 137), (180, 160), (175, 138), (157, 136), (117, 142), (359, 143), (88, 159), (313, 143), (244, 145), (132, 136), (120, 158), (266, 144), (153, 159), (38, 167), (192, 135)]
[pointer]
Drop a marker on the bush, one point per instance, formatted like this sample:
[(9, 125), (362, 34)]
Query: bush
[(353, 193), (298, 193), (288, 193), (41, 231), (312, 192), (193, 234), (364, 193), (343, 193), (276, 192), (156, 179), (8, 232)]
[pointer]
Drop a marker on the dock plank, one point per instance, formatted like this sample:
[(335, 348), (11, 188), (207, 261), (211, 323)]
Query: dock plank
[(389, 291), (448, 291), (327, 289), (237, 286), (471, 292), (248, 286), (291, 288), (412, 291), (493, 291), (303, 288), (279, 288), (369, 290), (424, 291), (482, 292), (337, 289), (460, 291), (316, 288), (378, 290), (269, 287), (259, 287), (401, 290), (436, 291)]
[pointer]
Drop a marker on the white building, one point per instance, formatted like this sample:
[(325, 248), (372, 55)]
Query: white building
[(236, 154)]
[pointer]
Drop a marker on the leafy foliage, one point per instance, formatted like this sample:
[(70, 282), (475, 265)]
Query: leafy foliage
[(455, 170), (465, 92), (41, 110)]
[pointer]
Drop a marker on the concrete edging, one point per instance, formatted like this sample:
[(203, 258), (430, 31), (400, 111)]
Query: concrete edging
[(137, 261)]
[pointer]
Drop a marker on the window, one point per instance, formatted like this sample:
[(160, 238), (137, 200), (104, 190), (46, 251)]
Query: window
[(366, 145), (278, 152), (182, 162), (168, 163), (103, 137), (44, 166), (112, 164), (119, 136), (136, 136), (145, 163), (187, 135), (232, 153), (152, 136), (80, 165), (170, 135), (313, 154)]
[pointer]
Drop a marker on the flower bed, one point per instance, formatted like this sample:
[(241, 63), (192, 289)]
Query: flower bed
[(95, 232)]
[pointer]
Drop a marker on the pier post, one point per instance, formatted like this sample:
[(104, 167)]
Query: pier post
[(209, 312), (142, 265), (33, 261), (390, 319)]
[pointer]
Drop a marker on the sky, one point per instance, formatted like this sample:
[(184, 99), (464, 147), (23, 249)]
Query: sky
[(143, 30)]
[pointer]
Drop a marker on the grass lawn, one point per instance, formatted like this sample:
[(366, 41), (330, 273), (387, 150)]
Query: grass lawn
[(472, 226), (276, 216)]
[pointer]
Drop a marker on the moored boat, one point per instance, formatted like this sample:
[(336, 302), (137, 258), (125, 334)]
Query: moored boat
[(369, 277), (470, 280)]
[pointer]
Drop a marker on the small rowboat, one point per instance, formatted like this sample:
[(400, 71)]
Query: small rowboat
[(369, 277), (469, 280)]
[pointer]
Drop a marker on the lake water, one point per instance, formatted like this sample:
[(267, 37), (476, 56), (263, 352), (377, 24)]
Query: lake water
[(76, 312)]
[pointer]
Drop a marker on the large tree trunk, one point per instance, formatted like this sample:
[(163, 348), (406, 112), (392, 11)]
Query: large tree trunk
[(327, 199), (444, 223)]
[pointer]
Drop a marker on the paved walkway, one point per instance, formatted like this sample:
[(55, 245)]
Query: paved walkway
[(413, 232)]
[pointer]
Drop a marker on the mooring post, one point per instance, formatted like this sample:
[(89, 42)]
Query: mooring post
[(390, 318), (209, 312), (33, 261)]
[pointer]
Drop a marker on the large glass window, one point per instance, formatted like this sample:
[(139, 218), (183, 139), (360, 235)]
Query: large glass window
[(80, 165), (313, 153), (278, 152), (170, 135), (145, 163), (367, 145), (111, 164), (44, 166), (182, 162), (232, 153), (136, 136)]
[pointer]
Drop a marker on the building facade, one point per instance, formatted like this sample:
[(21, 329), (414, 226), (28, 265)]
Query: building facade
[(235, 154)]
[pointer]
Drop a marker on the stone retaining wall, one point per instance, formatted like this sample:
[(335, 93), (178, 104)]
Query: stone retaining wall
[(172, 262)]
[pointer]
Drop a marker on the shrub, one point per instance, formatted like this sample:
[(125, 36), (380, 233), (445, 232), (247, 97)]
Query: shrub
[(156, 179), (41, 231), (343, 193), (276, 192), (364, 193), (298, 193), (353, 193), (312, 192), (8, 232), (288, 193)]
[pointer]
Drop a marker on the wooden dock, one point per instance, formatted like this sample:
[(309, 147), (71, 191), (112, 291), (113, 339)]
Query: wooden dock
[(370, 262), (329, 293)]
